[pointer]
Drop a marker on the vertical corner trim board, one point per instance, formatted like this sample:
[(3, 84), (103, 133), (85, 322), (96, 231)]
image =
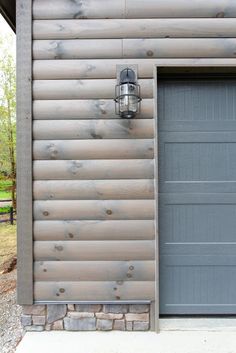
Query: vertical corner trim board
[(24, 153)]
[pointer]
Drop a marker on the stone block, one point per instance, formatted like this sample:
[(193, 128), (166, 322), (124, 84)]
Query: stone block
[(58, 325), (79, 315), (115, 308), (137, 317), (55, 312), (119, 325), (85, 324), (33, 309), (26, 320), (140, 326), (90, 308), (109, 316), (104, 325), (129, 326), (39, 320), (36, 328), (48, 327), (139, 308), (71, 307)]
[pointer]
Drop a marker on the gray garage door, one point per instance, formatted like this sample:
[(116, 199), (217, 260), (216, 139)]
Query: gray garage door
[(197, 195)]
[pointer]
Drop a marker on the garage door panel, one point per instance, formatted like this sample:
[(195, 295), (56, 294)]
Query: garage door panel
[(190, 126), (199, 161), (197, 196), (194, 223), (198, 289), (197, 100), (198, 186), (193, 136), (198, 260), (192, 249)]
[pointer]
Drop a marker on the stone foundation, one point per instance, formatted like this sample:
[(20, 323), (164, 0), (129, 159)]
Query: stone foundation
[(91, 317)]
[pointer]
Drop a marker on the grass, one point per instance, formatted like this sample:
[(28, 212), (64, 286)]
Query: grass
[(5, 194), (7, 241), (4, 209)]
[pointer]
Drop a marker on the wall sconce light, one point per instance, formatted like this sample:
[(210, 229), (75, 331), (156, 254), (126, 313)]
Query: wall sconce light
[(127, 94)]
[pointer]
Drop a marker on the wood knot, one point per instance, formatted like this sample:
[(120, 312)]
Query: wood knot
[(44, 270), (149, 53), (220, 14), (109, 212), (129, 275), (71, 235), (45, 213), (62, 290), (59, 247), (131, 268)]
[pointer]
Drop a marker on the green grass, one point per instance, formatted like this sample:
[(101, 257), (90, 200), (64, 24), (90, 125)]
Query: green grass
[(7, 241), (4, 193), (4, 209)]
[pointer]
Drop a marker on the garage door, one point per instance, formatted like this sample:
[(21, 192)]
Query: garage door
[(197, 195)]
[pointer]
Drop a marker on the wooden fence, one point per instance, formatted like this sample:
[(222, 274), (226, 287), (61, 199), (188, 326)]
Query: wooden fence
[(10, 214)]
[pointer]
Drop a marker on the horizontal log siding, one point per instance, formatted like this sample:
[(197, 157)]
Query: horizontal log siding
[(90, 129), (94, 250), (135, 48), (94, 230), (94, 290), (94, 270), (133, 28), (93, 172), (84, 109), (93, 169), (100, 69), (82, 89), (50, 9), (93, 189)]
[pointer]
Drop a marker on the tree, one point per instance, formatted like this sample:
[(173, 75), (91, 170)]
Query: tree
[(8, 113)]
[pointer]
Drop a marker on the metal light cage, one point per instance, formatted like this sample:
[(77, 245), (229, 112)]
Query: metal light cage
[(127, 94)]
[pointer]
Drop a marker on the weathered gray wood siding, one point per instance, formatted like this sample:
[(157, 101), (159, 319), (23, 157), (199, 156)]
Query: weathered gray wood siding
[(94, 207)]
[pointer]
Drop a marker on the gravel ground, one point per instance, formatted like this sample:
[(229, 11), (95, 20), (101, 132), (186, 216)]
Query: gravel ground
[(10, 327)]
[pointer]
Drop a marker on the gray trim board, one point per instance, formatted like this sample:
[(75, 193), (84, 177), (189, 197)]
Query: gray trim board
[(155, 307), (24, 153)]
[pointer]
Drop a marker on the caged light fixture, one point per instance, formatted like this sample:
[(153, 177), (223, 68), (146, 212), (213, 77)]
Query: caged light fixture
[(127, 94)]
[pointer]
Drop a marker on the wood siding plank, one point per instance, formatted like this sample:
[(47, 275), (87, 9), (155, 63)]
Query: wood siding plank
[(93, 169), (75, 49), (84, 109), (99, 291), (94, 210), (83, 89), (104, 69), (48, 9), (94, 271), (134, 28), (93, 129), (94, 230), (134, 48), (64, 9), (93, 189), (93, 149), (24, 154), (94, 250)]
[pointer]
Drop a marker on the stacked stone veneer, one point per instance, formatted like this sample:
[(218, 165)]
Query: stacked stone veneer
[(132, 317)]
